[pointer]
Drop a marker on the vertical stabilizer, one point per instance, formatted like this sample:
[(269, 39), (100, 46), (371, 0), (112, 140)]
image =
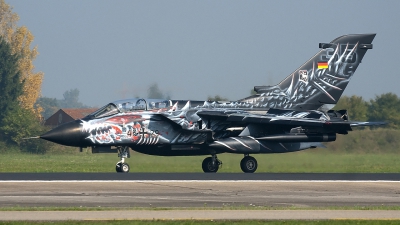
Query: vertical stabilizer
[(319, 82)]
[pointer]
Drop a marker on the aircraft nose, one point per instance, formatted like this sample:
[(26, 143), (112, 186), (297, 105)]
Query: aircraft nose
[(66, 134)]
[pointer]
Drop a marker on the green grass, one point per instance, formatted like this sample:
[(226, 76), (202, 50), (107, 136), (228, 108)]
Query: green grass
[(308, 161), (206, 222), (361, 151)]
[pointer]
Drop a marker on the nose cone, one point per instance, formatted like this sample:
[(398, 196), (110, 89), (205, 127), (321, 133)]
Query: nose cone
[(66, 134)]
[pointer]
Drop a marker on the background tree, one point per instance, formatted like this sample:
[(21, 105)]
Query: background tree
[(154, 92), (10, 80), (357, 108), (19, 86), (71, 99), (385, 107), (216, 98), (21, 42), (19, 124), (49, 106), (8, 20), (16, 122), (20, 39)]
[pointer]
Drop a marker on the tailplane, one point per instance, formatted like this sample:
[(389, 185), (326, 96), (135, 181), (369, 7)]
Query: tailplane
[(319, 82)]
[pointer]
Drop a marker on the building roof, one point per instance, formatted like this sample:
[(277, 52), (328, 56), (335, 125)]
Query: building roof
[(79, 113)]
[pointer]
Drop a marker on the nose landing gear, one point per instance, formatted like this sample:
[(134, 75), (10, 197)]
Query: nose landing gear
[(123, 152)]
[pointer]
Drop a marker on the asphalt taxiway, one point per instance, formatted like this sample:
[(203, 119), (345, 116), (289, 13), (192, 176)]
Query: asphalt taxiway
[(202, 215), (186, 190), (197, 190)]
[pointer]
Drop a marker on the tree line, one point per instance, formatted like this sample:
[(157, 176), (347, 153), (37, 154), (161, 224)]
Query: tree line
[(20, 85), (384, 107), (52, 105)]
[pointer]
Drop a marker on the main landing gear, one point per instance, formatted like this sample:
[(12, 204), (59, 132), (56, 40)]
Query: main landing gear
[(211, 164), (123, 152), (248, 164)]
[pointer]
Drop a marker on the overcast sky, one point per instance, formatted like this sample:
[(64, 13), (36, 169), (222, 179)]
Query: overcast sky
[(193, 49)]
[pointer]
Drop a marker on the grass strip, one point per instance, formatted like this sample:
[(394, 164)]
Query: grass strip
[(309, 161)]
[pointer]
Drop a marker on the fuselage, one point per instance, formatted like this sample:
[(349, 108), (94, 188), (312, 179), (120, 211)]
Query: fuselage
[(174, 127)]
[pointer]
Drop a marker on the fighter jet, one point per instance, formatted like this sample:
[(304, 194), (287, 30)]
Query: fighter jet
[(291, 116)]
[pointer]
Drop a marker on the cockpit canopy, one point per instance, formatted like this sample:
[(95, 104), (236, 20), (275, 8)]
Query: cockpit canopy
[(131, 105)]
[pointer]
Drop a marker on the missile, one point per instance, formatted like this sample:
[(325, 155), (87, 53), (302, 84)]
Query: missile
[(299, 137)]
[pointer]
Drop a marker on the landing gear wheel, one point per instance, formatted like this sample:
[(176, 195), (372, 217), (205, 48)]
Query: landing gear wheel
[(118, 167), (125, 168), (209, 165), (248, 164), (122, 168)]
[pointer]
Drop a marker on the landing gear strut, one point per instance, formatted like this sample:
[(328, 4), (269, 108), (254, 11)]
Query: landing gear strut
[(248, 164), (211, 164), (123, 152)]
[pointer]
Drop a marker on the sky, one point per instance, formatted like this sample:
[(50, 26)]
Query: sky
[(112, 50)]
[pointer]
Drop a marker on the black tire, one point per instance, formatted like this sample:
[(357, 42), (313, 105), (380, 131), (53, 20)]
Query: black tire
[(125, 168), (248, 164), (118, 167), (208, 166)]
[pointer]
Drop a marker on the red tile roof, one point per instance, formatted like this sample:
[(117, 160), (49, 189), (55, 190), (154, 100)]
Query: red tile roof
[(79, 113)]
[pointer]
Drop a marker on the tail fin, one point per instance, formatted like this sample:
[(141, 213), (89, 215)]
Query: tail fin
[(319, 82)]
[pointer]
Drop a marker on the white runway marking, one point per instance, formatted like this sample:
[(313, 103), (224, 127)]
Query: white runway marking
[(194, 181)]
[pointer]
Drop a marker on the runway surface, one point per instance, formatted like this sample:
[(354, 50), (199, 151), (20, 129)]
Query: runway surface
[(151, 190), (203, 215), (198, 194), (197, 189)]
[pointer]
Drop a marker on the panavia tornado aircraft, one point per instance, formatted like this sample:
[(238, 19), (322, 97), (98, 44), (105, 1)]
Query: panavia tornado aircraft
[(291, 116)]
